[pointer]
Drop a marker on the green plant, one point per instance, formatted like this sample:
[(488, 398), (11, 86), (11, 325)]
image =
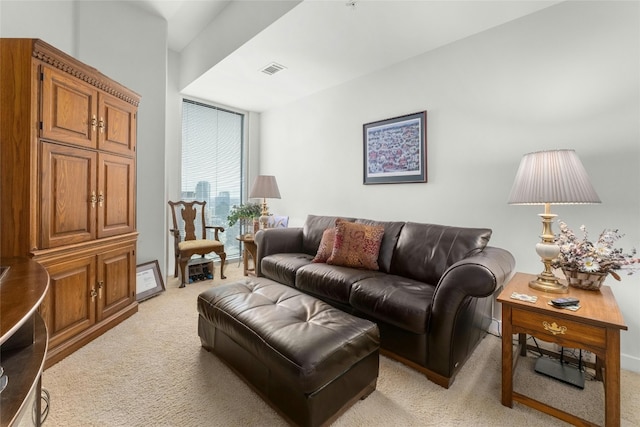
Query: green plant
[(246, 211)]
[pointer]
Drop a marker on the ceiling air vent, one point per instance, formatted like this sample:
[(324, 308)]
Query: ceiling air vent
[(273, 68)]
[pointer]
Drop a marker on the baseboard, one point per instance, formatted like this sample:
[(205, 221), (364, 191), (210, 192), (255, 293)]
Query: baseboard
[(495, 328), (630, 363)]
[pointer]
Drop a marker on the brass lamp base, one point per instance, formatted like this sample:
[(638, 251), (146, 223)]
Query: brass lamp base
[(548, 250), (548, 283), (264, 218)]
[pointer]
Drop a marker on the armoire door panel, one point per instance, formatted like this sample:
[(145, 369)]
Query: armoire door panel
[(70, 307), (116, 281), (116, 125), (68, 184), (69, 109), (116, 181)]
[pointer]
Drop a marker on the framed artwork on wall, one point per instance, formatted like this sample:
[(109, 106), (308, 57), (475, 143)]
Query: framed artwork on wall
[(395, 150)]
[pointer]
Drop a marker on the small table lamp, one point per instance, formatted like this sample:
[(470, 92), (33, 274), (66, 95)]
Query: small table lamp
[(265, 187), (545, 178)]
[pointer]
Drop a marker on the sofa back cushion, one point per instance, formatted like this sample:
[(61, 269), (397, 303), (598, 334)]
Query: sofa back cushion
[(313, 228), (389, 240), (425, 251)]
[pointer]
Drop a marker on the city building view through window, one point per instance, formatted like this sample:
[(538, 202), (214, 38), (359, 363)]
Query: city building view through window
[(212, 142)]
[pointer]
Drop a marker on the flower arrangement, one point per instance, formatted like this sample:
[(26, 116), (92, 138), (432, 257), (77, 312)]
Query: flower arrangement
[(585, 256)]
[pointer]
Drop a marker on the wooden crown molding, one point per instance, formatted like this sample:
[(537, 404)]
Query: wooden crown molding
[(60, 60)]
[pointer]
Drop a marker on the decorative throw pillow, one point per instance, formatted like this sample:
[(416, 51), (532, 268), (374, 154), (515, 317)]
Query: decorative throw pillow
[(326, 245), (356, 245)]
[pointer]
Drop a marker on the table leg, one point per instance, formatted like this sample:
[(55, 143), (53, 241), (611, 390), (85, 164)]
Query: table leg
[(599, 368), (612, 379), (245, 261), (522, 341), (507, 358)]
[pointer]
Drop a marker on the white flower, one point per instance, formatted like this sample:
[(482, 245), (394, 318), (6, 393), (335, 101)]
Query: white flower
[(602, 250), (590, 265)]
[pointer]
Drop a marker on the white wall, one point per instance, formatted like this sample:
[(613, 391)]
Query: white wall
[(129, 46), (51, 21), (173, 151), (549, 80)]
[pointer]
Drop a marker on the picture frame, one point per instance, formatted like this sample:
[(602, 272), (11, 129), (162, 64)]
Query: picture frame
[(149, 281), (395, 150)]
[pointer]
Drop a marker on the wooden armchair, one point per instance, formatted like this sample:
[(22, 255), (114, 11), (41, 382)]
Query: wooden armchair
[(188, 220)]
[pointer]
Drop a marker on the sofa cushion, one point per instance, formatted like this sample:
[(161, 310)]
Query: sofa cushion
[(391, 233), (331, 282), (407, 302), (356, 245), (326, 245), (425, 251), (282, 267), (313, 228)]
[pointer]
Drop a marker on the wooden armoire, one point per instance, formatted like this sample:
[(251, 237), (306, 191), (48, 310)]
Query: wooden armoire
[(68, 190)]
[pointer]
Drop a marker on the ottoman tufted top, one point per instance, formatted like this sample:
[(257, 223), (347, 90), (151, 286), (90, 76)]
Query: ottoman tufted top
[(294, 334)]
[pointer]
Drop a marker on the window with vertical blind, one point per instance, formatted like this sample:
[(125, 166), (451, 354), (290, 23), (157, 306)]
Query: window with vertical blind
[(212, 140)]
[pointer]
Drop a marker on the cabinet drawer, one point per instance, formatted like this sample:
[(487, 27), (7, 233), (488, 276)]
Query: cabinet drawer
[(559, 329)]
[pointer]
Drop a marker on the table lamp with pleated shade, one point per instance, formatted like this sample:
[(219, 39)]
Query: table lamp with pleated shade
[(264, 187), (546, 178)]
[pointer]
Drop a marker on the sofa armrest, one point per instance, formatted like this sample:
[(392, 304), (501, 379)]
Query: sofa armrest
[(457, 312), (479, 275), (277, 241)]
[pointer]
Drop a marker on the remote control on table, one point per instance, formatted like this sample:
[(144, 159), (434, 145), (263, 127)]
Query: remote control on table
[(563, 302)]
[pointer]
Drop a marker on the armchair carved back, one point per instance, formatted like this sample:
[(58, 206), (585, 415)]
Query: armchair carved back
[(189, 220)]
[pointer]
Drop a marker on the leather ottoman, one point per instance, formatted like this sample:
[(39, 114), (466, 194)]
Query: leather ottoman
[(308, 360)]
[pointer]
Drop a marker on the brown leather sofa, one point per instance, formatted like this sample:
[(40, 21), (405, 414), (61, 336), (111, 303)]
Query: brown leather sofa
[(431, 298)]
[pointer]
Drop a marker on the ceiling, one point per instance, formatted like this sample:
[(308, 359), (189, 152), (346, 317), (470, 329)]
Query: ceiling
[(324, 43), (185, 18)]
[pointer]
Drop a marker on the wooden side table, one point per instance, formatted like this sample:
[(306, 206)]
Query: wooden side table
[(250, 249), (594, 327)]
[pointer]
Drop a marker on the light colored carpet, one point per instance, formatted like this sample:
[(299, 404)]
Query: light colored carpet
[(151, 371)]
